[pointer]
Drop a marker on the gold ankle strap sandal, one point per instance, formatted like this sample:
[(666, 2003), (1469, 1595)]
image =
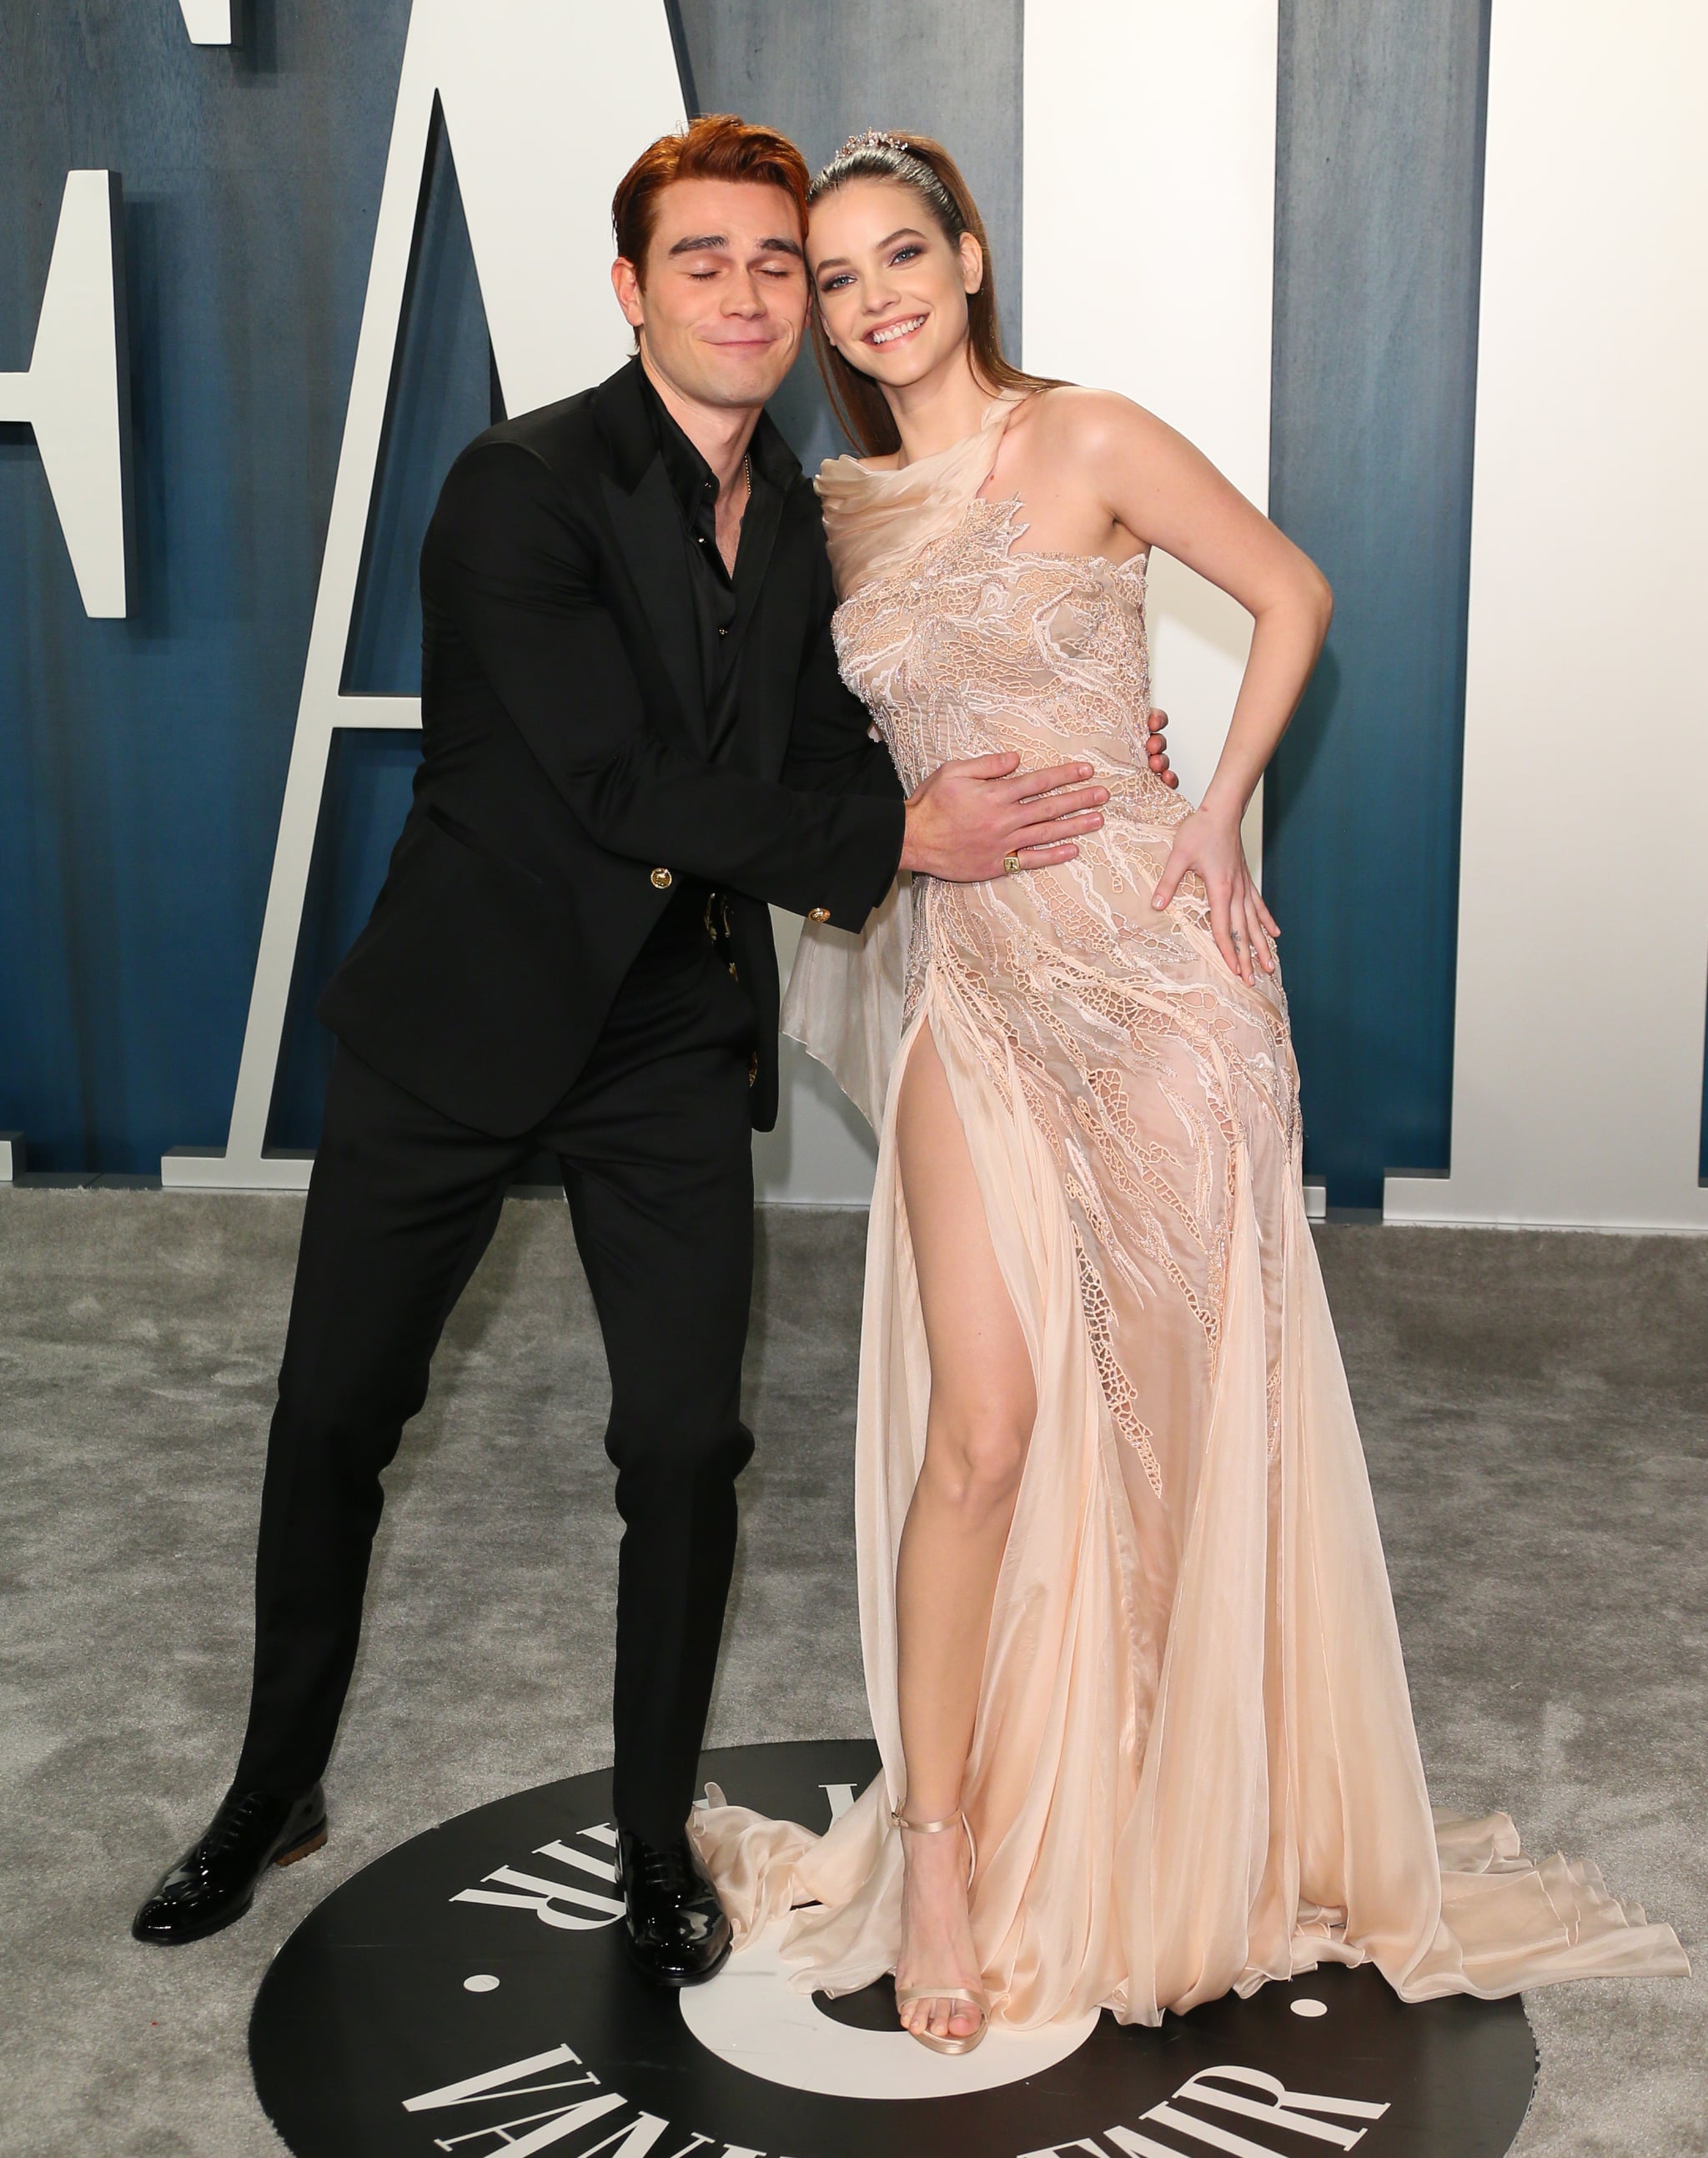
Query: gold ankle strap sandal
[(937, 1828), (905, 1995)]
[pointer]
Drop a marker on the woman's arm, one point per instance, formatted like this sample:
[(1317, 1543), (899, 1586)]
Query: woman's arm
[(1153, 484)]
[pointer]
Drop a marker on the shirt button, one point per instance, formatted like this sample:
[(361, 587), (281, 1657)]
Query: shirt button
[(663, 879), (819, 914)]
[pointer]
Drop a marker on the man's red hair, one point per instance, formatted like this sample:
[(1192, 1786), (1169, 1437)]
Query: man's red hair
[(715, 147)]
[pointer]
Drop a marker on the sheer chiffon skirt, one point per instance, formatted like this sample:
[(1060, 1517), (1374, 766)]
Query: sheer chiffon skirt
[(1193, 1767)]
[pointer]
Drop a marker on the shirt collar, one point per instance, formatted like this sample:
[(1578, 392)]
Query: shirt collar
[(692, 479)]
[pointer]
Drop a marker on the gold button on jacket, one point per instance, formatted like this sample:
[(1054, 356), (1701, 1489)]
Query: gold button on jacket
[(819, 914), (663, 879)]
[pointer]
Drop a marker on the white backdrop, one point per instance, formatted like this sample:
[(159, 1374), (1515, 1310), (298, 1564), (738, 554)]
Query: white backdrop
[(1150, 253), (1583, 890)]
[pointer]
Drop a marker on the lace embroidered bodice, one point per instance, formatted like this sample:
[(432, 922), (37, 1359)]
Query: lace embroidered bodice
[(974, 645)]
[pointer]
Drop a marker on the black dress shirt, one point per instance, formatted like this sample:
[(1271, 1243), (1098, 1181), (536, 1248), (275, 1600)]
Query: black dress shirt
[(722, 603)]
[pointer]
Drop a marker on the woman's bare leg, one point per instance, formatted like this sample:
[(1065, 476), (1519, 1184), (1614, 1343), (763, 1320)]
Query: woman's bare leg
[(984, 1403)]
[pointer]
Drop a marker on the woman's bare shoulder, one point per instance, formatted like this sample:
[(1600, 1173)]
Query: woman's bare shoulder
[(1088, 425)]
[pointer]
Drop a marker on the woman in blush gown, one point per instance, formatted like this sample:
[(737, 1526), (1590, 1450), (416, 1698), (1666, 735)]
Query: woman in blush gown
[(1129, 1642)]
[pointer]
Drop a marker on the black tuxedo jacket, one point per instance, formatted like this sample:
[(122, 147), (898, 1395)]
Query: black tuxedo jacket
[(567, 779)]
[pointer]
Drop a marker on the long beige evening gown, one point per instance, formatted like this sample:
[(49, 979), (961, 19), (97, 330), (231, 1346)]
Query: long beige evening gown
[(1194, 1766)]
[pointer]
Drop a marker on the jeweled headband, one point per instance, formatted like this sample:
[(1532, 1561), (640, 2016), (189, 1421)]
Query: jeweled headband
[(903, 159), (874, 138)]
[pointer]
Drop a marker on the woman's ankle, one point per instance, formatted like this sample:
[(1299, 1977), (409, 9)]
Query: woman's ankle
[(916, 1815)]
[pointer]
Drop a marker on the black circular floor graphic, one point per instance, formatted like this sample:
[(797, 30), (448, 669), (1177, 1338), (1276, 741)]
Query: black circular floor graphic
[(470, 1993)]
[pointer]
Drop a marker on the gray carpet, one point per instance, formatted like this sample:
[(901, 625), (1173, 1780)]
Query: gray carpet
[(1534, 1407)]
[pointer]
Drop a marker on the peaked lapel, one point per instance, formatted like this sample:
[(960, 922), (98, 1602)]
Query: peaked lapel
[(648, 523)]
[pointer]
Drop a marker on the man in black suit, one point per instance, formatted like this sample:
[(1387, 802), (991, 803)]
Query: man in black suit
[(634, 740)]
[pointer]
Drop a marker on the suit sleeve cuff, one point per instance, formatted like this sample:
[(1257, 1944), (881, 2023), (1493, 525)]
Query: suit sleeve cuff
[(868, 878)]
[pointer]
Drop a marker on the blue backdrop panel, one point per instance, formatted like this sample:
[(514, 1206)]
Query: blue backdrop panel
[(441, 394), (144, 760), (1378, 216)]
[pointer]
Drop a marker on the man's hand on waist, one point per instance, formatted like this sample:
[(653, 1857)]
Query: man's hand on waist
[(980, 816)]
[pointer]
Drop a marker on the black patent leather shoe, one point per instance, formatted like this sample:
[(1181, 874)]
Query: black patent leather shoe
[(677, 1930), (214, 1882)]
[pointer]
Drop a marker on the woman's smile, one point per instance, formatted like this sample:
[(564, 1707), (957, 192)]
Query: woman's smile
[(893, 332)]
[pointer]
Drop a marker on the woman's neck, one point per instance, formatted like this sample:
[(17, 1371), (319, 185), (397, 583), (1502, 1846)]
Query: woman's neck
[(942, 408)]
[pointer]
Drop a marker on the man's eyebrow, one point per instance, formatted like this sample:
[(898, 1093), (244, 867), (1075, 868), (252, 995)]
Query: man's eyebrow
[(719, 242)]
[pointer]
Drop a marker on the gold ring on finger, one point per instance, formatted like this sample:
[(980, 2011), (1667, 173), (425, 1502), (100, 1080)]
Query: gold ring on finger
[(1011, 863)]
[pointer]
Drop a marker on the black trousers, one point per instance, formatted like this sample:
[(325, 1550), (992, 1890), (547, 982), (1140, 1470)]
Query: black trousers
[(654, 1140)]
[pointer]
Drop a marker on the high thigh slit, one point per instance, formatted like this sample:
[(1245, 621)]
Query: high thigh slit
[(982, 1408), (971, 1229), (1192, 1766)]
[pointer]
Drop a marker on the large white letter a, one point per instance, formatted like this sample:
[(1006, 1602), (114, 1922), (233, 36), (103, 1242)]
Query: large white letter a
[(546, 103)]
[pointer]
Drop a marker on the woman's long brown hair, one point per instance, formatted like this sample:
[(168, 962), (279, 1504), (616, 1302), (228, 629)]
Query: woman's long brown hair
[(926, 167)]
